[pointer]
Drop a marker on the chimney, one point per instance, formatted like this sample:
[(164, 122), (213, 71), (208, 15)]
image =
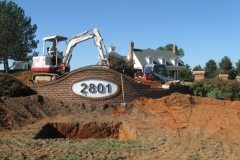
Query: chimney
[(175, 49), (131, 51)]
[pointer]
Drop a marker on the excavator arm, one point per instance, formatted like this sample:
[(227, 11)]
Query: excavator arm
[(83, 37), (48, 71)]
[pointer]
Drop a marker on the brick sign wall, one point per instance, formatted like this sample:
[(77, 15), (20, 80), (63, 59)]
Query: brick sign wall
[(80, 79)]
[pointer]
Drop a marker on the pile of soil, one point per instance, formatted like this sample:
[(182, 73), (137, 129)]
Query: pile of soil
[(179, 126), (25, 76), (152, 84), (10, 86)]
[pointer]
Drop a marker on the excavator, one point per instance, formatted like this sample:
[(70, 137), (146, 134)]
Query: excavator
[(153, 72), (46, 68), (157, 73)]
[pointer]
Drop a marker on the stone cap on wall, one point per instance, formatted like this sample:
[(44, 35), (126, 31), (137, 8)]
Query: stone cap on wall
[(199, 72), (224, 76)]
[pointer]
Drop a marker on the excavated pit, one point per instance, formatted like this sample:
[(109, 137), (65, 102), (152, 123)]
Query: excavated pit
[(116, 130)]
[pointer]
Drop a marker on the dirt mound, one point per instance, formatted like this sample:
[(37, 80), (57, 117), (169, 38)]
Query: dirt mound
[(25, 76), (178, 126), (12, 87), (21, 111), (152, 84)]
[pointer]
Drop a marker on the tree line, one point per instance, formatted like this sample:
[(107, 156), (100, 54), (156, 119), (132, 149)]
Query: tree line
[(212, 68)]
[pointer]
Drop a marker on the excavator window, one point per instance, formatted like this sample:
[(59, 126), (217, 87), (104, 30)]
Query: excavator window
[(147, 70), (48, 49), (159, 70)]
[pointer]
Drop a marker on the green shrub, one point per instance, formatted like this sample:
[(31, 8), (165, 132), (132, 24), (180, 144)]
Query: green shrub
[(217, 88)]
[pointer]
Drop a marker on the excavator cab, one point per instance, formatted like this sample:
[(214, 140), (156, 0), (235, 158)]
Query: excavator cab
[(57, 59), (158, 70), (47, 66)]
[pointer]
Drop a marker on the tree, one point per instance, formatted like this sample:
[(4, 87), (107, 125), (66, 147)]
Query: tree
[(226, 66), (169, 47), (186, 74), (120, 65), (197, 68), (211, 68), (16, 34), (238, 68)]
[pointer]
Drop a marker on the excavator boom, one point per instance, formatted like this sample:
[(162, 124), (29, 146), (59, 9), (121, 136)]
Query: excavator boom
[(83, 37)]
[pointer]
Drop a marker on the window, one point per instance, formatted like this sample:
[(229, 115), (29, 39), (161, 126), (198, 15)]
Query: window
[(147, 70), (149, 60), (25, 66), (175, 61), (162, 60), (159, 69)]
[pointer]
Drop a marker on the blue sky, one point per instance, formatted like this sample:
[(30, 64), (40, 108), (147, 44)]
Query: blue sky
[(205, 29)]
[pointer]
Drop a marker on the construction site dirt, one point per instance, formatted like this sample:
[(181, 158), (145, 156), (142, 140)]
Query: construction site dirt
[(178, 126)]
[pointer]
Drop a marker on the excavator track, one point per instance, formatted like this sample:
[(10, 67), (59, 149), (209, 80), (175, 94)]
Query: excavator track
[(44, 77)]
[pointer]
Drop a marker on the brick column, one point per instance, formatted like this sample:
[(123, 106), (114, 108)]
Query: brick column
[(224, 76), (199, 75), (238, 78)]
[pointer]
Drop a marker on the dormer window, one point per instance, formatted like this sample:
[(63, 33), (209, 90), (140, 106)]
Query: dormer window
[(175, 61), (149, 60), (162, 60)]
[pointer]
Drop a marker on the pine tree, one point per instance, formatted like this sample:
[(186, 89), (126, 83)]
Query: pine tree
[(16, 34), (211, 68)]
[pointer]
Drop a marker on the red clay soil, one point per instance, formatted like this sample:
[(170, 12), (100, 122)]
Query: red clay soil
[(152, 84), (178, 126)]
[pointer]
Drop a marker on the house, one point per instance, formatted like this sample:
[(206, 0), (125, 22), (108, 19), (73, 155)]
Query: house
[(142, 57), (22, 65)]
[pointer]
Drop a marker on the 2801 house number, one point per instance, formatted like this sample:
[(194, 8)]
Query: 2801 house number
[(94, 88)]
